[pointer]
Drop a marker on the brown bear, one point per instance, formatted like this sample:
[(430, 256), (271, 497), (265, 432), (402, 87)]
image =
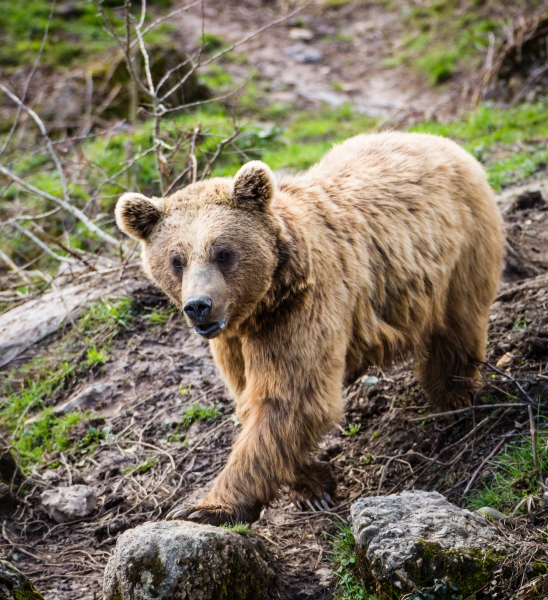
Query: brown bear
[(390, 246)]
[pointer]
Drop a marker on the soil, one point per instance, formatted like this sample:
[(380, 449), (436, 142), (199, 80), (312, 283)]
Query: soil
[(331, 55)]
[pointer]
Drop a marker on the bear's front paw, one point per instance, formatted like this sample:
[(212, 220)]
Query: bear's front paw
[(211, 514), (315, 488)]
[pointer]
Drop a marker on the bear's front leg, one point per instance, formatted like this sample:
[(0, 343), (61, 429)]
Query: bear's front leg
[(273, 450)]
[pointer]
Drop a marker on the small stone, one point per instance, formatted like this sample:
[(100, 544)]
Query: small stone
[(491, 513), (369, 380), (303, 54), (299, 34), (6, 497), (87, 398), (178, 559), (69, 503), (505, 361)]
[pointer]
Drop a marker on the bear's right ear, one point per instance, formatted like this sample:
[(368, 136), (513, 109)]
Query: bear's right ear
[(137, 215), (254, 185)]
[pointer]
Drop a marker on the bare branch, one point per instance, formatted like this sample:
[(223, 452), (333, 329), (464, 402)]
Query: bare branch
[(60, 202), (41, 244)]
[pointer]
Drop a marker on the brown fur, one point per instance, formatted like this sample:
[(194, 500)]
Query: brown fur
[(391, 245)]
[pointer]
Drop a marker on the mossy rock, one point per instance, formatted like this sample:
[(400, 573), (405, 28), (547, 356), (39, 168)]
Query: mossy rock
[(409, 541), (14, 585), (175, 559)]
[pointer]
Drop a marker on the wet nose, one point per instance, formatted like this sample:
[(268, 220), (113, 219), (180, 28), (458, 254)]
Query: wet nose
[(198, 308)]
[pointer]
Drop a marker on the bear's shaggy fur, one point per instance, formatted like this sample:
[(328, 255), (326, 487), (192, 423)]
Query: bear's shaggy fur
[(390, 246)]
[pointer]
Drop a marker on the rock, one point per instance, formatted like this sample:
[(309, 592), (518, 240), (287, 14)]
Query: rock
[(172, 560), (303, 54), (88, 397), (69, 503), (505, 361), (491, 513), (406, 541), (14, 585), (297, 33), (6, 497), (369, 380)]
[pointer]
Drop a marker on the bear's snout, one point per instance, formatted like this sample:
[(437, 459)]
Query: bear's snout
[(197, 308)]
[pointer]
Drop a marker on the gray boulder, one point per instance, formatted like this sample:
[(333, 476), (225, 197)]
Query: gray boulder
[(14, 585), (176, 560), (406, 541)]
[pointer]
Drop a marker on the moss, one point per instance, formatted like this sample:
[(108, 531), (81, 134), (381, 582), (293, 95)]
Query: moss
[(468, 571), (139, 568)]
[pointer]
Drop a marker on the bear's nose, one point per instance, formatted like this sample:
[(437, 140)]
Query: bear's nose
[(198, 308)]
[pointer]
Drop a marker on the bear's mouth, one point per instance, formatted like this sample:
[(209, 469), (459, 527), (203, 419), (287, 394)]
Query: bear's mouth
[(210, 330)]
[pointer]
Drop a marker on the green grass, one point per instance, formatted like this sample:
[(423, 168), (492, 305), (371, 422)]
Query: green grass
[(73, 37), (28, 389), (352, 430), (142, 468), (198, 412), (160, 316), (96, 357), (513, 478), (511, 143), (241, 528), (343, 558), (446, 36)]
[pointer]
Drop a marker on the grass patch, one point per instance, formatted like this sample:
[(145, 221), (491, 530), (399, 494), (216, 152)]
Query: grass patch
[(241, 528), (197, 413), (514, 483), (142, 468), (352, 430), (511, 143), (446, 36), (160, 316), (343, 558), (29, 389)]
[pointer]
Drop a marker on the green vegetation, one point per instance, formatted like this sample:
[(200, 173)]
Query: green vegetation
[(198, 412), (76, 31), (96, 357), (511, 143), (343, 558), (352, 430), (514, 485), (160, 316), (241, 528), (33, 429), (445, 36), (142, 468)]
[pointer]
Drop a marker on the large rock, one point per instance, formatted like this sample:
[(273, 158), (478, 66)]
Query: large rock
[(14, 585), (176, 560), (407, 540), (69, 503)]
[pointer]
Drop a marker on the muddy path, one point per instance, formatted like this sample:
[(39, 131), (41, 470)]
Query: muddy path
[(330, 55)]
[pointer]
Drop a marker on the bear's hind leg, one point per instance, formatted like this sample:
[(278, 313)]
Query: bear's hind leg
[(449, 374)]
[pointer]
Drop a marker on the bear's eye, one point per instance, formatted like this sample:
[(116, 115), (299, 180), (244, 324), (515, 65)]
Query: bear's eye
[(223, 256), (176, 263)]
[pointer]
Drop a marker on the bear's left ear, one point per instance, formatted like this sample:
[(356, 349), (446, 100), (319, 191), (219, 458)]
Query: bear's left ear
[(254, 185)]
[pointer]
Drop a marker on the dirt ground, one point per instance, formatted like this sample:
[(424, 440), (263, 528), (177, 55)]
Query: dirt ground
[(147, 462), (330, 55)]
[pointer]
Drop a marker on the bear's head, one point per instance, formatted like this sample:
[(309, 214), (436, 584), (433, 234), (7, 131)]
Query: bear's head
[(214, 246)]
